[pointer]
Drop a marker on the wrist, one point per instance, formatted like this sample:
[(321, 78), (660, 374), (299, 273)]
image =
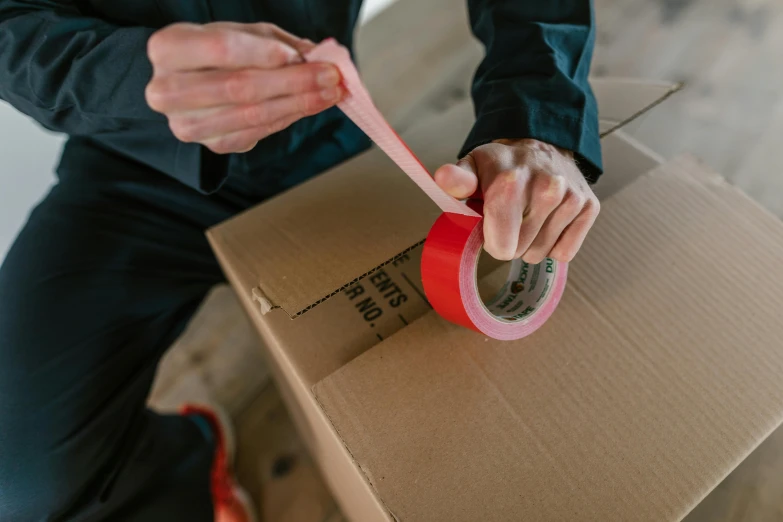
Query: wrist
[(535, 145)]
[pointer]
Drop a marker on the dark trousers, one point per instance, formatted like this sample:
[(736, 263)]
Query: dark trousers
[(105, 275)]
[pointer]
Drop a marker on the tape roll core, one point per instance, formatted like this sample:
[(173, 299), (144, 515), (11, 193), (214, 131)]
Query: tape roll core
[(449, 273), (527, 288)]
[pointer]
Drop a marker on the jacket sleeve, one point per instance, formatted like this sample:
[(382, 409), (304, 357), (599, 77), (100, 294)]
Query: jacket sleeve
[(83, 76), (533, 82)]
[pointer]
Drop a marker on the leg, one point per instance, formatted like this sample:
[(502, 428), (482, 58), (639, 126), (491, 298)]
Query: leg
[(102, 279)]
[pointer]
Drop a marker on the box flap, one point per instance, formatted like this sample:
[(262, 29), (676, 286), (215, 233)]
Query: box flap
[(621, 100), (325, 338), (328, 232), (659, 373)]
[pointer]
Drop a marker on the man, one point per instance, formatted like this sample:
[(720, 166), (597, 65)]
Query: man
[(173, 130)]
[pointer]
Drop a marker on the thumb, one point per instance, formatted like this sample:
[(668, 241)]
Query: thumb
[(460, 180)]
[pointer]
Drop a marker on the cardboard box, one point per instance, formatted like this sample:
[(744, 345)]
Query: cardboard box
[(656, 376)]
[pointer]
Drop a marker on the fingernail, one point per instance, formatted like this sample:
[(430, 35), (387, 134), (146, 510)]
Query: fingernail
[(331, 95), (328, 76)]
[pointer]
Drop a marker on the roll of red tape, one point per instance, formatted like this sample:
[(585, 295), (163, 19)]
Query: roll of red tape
[(452, 249), (449, 267)]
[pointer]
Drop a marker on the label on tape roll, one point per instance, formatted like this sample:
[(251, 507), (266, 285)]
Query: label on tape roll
[(451, 251), (526, 288)]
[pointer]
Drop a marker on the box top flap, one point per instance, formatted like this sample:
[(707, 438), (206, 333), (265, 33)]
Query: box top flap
[(305, 245), (621, 100), (328, 336), (658, 374)]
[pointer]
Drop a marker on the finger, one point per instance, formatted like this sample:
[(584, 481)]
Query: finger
[(183, 47), (202, 125), (302, 45), (191, 90), (574, 235), (548, 234), (504, 198), (246, 139), (268, 30), (460, 180), (546, 195)]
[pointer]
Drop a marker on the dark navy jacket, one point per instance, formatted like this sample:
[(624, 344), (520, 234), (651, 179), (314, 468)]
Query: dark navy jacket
[(80, 67)]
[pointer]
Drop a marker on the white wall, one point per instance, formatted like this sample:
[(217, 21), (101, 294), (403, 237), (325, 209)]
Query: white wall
[(371, 8), (28, 155)]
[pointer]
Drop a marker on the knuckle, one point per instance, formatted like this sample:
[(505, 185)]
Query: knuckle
[(270, 129), (590, 211), (263, 130), (498, 248), (307, 104), (265, 28), (500, 254), (563, 255), (182, 129), (219, 46), (557, 185), (239, 87), (255, 115), (282, 124), (216, 148), (548, 199), (154, 96), (161, 41), (575, 202), (533, 257), (276, 52), (504, 187), (161, 90), (266, 130), (274, 127), (509, 178), (220, 146), (553, 192), (294, 80), (592, 206), (157, 44)]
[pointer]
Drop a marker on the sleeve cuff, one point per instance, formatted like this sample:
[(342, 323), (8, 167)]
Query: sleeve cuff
[(543, 123)]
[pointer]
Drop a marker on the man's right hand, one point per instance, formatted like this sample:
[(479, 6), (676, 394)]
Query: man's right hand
[(228, 85)]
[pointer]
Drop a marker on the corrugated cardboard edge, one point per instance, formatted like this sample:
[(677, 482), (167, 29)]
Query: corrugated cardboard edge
[(265, 304), (367, 478), (302, 406)]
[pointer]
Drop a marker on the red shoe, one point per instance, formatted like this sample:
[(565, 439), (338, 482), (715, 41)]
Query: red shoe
[(232, 503)]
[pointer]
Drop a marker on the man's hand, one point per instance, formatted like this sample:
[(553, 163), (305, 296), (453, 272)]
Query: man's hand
[(227, 85), (537, 203)]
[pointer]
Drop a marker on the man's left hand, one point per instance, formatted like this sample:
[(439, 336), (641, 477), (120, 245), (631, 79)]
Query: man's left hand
[(537, 203)]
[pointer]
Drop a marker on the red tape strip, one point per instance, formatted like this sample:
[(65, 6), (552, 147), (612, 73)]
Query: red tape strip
[(451, 251)]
